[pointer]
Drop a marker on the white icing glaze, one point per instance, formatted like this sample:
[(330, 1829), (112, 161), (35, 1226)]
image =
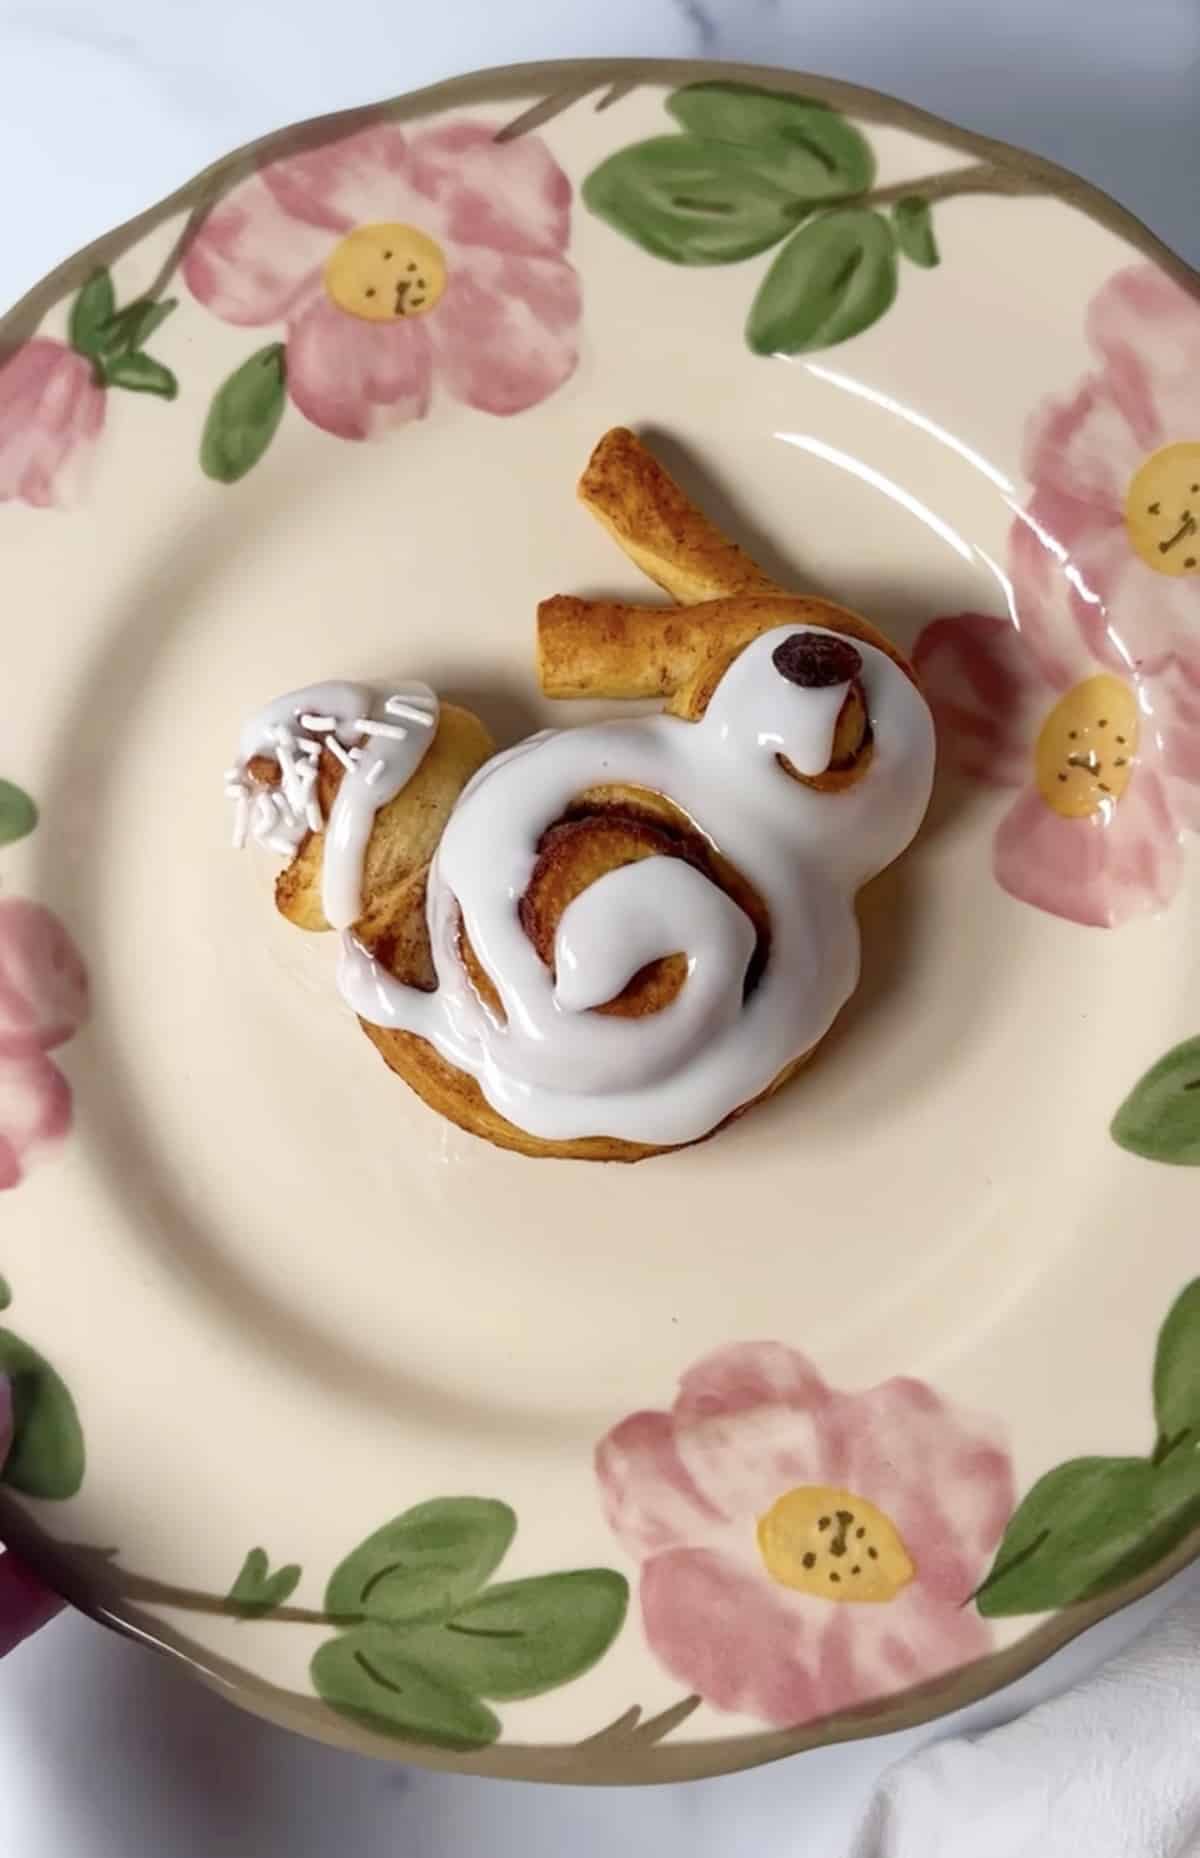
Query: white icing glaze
[(341, 701), (386, 765), (560, 1072), (395, 732)]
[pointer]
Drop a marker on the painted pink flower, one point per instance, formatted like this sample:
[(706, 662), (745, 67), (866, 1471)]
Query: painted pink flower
[(1115, 470), (51, 413), (1105, 788), (392, 258), (1088, 702), (43, 1002), (804, 1551)]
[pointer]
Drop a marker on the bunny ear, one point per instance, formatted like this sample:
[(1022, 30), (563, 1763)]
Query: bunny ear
[(603, 648), (660, 528), (608, 648)]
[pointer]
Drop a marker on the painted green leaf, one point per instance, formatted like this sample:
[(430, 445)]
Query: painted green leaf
[(693, 201), (1088, 1526), (18, 814), (141, 374), (833, 279), (912, 220), (1177, 1370), (1160, 1118), (46, 1458), (257, 1591), (244, 415), (132, 327), (424, 1564), (5, 1293), (803, 145), (524, 1637), (90, 313), (369, 1675)]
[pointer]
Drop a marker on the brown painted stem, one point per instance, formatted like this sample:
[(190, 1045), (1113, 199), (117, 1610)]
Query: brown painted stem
[(128, 1586), (980, 178), (629, 1730)]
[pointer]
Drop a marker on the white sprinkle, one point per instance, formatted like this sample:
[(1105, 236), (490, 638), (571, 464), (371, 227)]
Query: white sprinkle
[(241, 822), (279, 842), (281, 735), (356, 754), (403, 706), (335, 748), (318, 722), (393, 730), (235, 790), (263, 818), (374, 772), (314, 816), (307, 746)]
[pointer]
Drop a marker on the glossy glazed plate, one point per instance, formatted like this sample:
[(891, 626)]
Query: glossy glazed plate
[(534, 1468)]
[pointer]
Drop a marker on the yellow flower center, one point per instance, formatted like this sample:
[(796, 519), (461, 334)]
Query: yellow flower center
[(1162, 509), (385, 271), (1085, 749), (833, 1544)]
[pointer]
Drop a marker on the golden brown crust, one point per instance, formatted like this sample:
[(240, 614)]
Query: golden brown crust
[(395, 930), (457, 1097), (607, 648), (734, 623), (613, 649), (571, 856), (479, 977)]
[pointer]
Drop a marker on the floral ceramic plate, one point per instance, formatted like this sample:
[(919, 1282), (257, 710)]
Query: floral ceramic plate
[(517, 1466)]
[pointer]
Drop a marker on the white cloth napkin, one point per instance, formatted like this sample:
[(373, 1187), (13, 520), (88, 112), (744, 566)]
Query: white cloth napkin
[(1111, 1769)]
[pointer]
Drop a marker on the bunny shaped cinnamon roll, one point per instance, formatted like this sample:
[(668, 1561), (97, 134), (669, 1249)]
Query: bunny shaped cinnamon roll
[(606, 942)]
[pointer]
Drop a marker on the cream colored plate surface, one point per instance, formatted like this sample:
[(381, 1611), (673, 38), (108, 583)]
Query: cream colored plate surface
[(289, 1304)]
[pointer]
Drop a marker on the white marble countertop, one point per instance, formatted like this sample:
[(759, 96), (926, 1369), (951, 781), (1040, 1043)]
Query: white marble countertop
[(105, 1750)]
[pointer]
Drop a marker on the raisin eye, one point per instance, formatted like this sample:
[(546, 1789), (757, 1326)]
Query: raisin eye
[(815, 660)]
